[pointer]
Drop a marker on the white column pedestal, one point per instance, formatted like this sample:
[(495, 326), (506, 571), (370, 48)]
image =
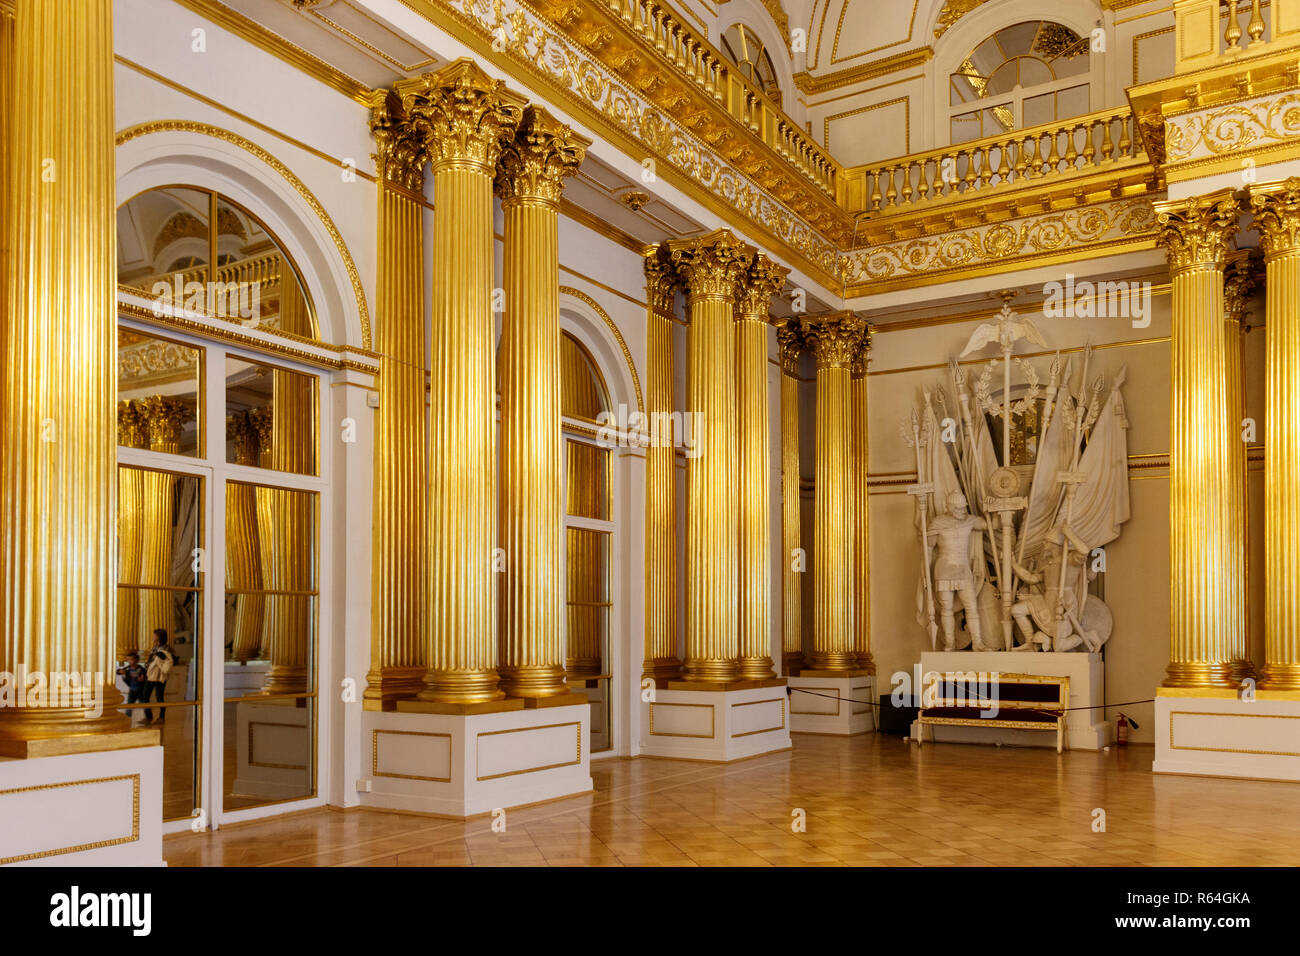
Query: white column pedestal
[(716, 725), (1086, 727), (1219, 735), (83, 809), (837, 706), (461, 765)]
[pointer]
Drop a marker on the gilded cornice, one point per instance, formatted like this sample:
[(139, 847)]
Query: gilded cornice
[(1196, 232), (464, 116), (757, 286), (1277, 216), (835, 338), (711, 266), (1114, 225), (813, 84), (534, 164)]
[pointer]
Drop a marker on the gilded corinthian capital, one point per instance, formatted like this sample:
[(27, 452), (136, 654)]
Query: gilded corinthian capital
[(533, 165), (399, 146), (1277, 216), (862, 357), (1239, 281), (130, 428), (711, 265), (791, 343), (164, 417), (660, 279), (463, 115), (1195, 232), (835, 338), (758, 285)]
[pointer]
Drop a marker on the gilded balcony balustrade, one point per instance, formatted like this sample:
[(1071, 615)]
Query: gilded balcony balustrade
[(1101, 142), (1210, 32), (668, 49)]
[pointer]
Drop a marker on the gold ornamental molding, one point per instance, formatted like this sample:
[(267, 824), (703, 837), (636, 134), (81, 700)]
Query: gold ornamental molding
[(1123, 225), (234, 139), (1205, 142), (530, 48), (812, 85), (130, 838), (622, 344)]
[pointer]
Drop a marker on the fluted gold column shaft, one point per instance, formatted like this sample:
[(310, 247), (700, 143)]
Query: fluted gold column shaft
[(1238, 283), (791, 539), (710, 268), (243, 548), (397, 612), (530, 182), (467, 116), (1277, 216), (835, 339), (57, 432), (130, 485), (858, 471), (661, 661), (1204, 599), (163, 419), (761, 282)]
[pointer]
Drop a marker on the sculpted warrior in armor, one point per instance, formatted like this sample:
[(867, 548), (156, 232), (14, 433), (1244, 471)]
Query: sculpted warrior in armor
[(952, 570)]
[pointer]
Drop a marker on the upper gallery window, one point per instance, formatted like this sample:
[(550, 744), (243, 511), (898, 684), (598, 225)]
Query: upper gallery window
[(168, 238), (743, 47), (1023, 75)]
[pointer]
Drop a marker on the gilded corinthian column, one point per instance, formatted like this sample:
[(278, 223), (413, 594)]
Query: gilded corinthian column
[(465, 116), (792, 345), (835, 339), (858, 471), (1238, 282), (1205, 598), (163, 419), (754, 467), (709, 268), (243, 547), (130, 520), (1277, 216), (661, 661), (58, 444), (397, 610), (530, 179)]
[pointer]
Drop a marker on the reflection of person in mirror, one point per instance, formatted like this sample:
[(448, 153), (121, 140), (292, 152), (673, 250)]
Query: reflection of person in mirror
[(159, 667), (137, 682)]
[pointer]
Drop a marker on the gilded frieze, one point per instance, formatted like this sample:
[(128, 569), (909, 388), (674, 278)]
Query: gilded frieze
[(1203, 134)]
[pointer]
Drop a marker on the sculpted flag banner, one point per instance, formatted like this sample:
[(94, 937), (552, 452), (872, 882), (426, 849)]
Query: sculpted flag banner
[(1054, 456), (1101, 503)]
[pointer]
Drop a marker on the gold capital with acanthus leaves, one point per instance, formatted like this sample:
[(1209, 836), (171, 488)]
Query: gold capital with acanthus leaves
[(862, 357), (763, 280), (534, 164), (1277, 216), (130, 427), (1239, 280), (1196, 232), (711, 265), (661, 281), (835, 338), (463, 115), (791, 344), (164, 417), (400, 155)]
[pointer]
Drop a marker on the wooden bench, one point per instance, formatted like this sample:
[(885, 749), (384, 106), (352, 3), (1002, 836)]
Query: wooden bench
[(1028, 701)]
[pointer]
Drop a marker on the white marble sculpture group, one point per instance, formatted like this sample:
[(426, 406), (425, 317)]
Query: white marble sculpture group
[(1018, 561)]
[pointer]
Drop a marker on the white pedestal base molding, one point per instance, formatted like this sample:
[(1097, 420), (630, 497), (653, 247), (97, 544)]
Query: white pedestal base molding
[(274, 748), (88, 809), (1222, 736), (1085, 729), (462, 765), (716, 725), (833, 705)]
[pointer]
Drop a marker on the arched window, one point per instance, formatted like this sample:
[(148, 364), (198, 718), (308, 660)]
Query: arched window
[(1022, 76), (746, 50), (167, 237), (220, 490)]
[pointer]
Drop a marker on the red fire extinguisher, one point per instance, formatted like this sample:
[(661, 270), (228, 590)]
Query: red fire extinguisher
[(1122, 727)]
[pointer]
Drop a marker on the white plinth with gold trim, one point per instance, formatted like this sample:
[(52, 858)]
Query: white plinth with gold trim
[(838, 706), (719, 725), (463, 765), (273, 747), (1210, 734), (83, 809)]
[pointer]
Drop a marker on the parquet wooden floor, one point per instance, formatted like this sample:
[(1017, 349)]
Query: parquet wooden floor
[(870, 800)]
